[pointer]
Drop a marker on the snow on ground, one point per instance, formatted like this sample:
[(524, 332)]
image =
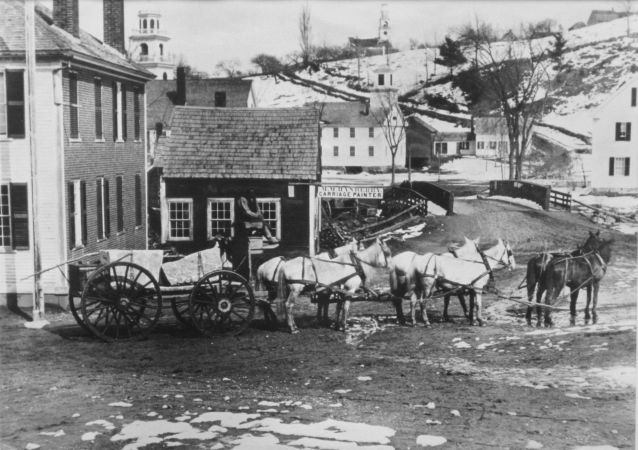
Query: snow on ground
[(271, 92)]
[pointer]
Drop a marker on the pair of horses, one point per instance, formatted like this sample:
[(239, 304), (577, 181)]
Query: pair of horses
[(465, 271), (551, 272)]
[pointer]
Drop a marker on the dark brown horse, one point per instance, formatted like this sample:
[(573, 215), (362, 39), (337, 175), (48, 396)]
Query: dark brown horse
[(537, 265), (577, 272)]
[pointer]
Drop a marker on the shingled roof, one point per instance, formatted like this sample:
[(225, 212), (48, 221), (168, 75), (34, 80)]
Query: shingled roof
[(248, 143), (160, 95), (349, 114), (51, 41)]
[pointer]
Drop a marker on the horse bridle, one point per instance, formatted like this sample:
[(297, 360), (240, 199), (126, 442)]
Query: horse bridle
[(507, 251)]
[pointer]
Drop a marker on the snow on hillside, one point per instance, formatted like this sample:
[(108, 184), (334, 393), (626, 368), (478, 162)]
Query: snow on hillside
[(272, 92)]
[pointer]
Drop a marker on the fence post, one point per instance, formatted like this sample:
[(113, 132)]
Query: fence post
[(548, 193)]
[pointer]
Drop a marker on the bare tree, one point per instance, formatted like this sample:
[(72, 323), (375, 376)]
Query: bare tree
[(514, 73), (305, 31), (627, 8), (388, 116), (230, 67)]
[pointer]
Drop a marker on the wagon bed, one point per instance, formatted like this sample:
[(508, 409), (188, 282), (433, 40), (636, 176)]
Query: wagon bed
[(118, 294)]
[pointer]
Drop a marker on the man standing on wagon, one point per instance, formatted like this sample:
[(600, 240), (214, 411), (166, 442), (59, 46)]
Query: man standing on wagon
[(252, 217)]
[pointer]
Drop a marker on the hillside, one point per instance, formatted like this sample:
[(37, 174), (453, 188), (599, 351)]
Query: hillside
[(598, 59)]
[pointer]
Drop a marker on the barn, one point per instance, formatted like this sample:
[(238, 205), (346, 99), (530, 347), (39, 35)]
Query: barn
[(216, 155)]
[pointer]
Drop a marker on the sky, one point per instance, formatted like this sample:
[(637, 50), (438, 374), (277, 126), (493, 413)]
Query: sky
[(205, 32)]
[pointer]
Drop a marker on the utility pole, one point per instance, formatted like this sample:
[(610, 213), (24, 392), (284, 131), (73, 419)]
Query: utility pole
[(38, 296)]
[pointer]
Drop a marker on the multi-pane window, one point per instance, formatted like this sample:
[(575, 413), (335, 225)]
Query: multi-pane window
[(119, 203), (371, 132), (14, 216), (464, 145), (76, 193), (221, 215), (73, 105), (137, 118), (97, 87), (335, 151), (381, 80), (138, 200), (271, 210), (12, 104), (493, 145), (335, 132), (440, 148), (220, 99), (103, 203), (351, 132), (351, 150), (480, 145), (5, 217), (623, 131), (371, 151), (618, 167), (180, 219), (124, 115)]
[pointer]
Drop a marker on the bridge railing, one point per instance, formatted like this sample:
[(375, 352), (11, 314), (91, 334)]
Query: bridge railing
[(434, 193), (522, 189)]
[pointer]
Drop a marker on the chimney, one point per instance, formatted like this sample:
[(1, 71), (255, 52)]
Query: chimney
[(66, 15), (180, 98), (114, 24)]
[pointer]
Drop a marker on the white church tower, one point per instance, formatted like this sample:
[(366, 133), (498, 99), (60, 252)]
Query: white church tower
[(148, 46)]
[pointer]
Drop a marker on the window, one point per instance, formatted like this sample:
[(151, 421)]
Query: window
[(480, 145), (116, 113), (76, 192), (371, 132), (137, 119), (335, 132), (351, 132), (144, 23), (271, 210), (180, 219), (618, 167), (73, 105), (103, 208), (138, 200), (97, 85), (440, 148), (623, 131), (352, 151), (221, 215), (371, 151), (335, 151), (492, 145), (123, 120), (119, 203), (220, 99), (463, 145), (143, 49), (634, 96), (14, 216), (381, 80), (12, 104)]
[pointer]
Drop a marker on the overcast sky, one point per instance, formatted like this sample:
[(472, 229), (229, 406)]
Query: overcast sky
[(206, 31)]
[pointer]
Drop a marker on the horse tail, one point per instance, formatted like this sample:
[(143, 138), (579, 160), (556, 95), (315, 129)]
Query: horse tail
[(282, 286)]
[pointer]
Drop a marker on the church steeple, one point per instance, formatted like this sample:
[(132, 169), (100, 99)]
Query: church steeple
[(384, 25), (148, 46)]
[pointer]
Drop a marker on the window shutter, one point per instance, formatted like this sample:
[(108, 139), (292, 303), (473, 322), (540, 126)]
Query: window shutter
[(71, 209), (3, 105), (138, 200), (618, 131), (628, 137), (124, 117), (107, 209), (119, 206), (19, 216), (634, 94), (626, 167), (83, 212), (98, 202), (611, 167)]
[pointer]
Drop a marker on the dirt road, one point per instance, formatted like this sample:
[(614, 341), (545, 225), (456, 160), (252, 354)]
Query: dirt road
[(380, 386)]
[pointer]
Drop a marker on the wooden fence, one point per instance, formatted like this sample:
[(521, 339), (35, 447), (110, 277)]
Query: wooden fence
[(560, 200), (522, 189), (398, 199), (434, 193)]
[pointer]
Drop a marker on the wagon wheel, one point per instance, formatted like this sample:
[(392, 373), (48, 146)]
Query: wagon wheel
[(121, 301), (181, 310), (75, 307), (222, 302)]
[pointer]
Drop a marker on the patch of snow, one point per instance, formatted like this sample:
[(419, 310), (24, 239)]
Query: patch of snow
[(90, 436), (268, 410), (152, 414), (455, 412), (484, 345), (305, 406), (433, 422), (576, 395), (121, 404), (517, 201), (31, 446), (104, 423), (328, 429), (53, 433), (428, 440), (267, 403), (342, 391), (179, 396), (335, 405), (226, 419), (364, 378), (148, 432), (430, 405), (531, 444), (462, 344), (324, 444), (265, 441)]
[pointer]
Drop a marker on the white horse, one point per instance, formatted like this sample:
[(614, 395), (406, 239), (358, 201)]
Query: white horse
[(450, 273), (345, 272), (404, 284)]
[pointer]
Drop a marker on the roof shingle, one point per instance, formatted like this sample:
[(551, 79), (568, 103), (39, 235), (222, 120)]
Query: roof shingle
[(256, 143)]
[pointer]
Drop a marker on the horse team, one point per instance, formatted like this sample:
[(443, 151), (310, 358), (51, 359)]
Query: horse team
[(466, 270)]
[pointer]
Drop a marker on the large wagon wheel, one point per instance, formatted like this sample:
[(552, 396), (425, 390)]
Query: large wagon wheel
[(222, 302), (75, 307), (181, 309), (121, 301)]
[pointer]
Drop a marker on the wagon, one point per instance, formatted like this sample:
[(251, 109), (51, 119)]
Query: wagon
[(119, 294)]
